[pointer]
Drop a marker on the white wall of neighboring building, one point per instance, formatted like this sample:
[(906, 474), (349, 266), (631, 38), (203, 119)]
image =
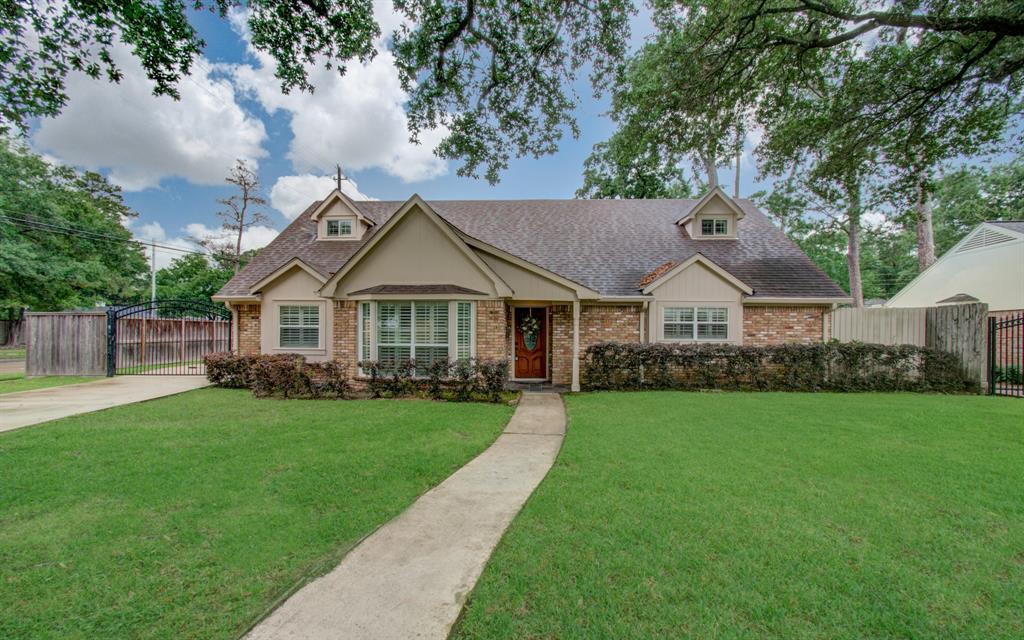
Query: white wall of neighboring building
[(987, 264)]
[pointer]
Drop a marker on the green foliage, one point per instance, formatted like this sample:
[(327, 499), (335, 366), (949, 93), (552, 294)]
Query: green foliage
[(628, 166), (192, 516), (971, 195), (290, 376), (497, 73), (79, 36), (46, 269), (195, 277), (831, 366), (770, 516)]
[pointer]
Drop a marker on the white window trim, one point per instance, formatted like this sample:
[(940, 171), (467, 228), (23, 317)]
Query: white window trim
[(696, 323), (453, 340), (320, 312), (325, 224), (714, 233)]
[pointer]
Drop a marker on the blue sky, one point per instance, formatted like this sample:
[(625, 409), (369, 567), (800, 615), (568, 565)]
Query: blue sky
[(171, 157)]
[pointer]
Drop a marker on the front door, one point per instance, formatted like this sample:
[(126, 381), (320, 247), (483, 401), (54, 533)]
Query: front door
[(531, 342)]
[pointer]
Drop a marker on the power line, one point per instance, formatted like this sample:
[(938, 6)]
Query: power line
[(92, 235)]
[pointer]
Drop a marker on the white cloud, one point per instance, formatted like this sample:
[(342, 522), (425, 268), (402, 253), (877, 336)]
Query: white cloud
[(292, 194), (253, 238), (141, 138), (357, 119)]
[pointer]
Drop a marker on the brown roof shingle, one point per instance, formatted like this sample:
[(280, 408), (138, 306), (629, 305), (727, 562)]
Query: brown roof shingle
[(607, 245)]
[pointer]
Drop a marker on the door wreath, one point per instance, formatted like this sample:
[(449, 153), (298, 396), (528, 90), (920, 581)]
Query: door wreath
[(530, 328)]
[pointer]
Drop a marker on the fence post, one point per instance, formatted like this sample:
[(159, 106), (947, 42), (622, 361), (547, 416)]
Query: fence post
[(111, 342)]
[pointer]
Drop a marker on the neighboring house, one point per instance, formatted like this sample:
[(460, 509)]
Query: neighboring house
[(987, 265), (534, 281)]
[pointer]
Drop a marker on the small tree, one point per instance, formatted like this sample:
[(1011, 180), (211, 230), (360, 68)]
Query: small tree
[(240, 213)]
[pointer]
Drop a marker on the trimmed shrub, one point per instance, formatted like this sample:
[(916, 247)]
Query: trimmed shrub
[(493, 376), (827, 366), (226, 369)]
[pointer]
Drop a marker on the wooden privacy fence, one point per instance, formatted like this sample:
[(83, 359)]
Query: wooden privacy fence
[(168, 345), (71, 343), (957, 329)]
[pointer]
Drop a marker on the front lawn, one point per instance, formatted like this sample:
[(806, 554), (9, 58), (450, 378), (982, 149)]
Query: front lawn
[(12, 353), (768, 515), (14, 382), (191, 516)]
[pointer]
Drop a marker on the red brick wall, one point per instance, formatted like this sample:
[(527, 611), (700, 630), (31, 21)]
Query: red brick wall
[(772, 324), (598, 323), (343, 336), (249, 337), (492, 330)]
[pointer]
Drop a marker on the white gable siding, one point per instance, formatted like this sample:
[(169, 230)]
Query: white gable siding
[(984, 264)]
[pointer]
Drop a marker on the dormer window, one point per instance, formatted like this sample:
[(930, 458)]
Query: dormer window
[(714, 227), (339, 228)]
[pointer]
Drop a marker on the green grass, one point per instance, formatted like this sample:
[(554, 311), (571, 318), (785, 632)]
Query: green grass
[(12, 353), (724, 515), (12, 382), (190, 516)]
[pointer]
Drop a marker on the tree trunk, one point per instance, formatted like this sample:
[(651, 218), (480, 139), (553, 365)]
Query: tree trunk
[(736, 185), (238, 247), (711, 169), (925, 230), (853, 246)]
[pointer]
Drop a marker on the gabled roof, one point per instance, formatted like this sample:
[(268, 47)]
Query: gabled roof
[(667, 274), (607, 246), (283, 269), (713, 194), (337, 196), (415, 203), (1016, 226)]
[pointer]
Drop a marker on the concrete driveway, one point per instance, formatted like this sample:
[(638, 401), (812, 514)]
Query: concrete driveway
[(42, 405)]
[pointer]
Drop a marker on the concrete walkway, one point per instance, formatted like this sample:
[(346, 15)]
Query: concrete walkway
[(41, 405), (410, 578)]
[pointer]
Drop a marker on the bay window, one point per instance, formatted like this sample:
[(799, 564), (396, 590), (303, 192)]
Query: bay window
[(424, 331), (696, 323)]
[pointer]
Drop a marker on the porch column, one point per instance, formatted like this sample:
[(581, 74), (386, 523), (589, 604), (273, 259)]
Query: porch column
[(575, 345)]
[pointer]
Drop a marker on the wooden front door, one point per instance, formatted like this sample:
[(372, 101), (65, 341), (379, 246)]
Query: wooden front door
[(531, 346)]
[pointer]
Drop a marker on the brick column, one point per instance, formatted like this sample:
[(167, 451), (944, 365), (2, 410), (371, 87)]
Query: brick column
[(492, 330), (250, 338), (344, 336)]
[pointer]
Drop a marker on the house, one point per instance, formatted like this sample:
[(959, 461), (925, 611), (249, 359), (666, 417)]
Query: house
[(987, 265), (534, 281)]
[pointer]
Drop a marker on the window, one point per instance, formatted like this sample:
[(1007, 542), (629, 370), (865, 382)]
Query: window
[(299, 327), (714, 227), (700, 323), (412, 330), (339, 228), (679, 323), (464, 330), (426, 332)]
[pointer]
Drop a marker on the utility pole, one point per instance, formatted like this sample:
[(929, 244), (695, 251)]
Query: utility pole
[(339, 178), (152, 274)]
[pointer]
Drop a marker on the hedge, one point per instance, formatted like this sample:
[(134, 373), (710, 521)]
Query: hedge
[(826, 366), (290, 376)]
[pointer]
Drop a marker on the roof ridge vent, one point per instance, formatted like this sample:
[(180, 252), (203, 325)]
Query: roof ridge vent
[(984, 237)]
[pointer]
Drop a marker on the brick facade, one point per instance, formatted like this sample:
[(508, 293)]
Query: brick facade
[(343, 336), (492, 330), (598, 323), (772, 324), (248, 331)]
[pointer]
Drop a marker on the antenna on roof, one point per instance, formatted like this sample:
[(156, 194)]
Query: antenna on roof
[(340, 177)]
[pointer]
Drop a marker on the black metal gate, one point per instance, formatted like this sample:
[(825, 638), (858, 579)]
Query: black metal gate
[(165, 337), (1006, 356)]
